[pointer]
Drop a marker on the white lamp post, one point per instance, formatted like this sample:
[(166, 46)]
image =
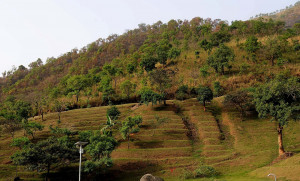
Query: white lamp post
[(272, 174), (80, 144)]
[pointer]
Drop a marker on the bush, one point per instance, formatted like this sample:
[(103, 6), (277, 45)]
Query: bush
[(182, 92), (113, 112), (205, 171), (187, 174)]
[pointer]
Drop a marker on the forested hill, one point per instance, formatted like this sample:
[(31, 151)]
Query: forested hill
[(290, 15), (186, 53)]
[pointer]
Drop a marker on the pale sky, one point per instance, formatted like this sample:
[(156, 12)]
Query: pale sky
[(32, 29)]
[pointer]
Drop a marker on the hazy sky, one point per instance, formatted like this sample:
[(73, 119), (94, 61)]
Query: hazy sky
[(32, 29)]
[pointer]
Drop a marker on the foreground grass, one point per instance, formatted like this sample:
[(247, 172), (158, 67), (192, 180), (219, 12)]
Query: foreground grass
[(239, 150)]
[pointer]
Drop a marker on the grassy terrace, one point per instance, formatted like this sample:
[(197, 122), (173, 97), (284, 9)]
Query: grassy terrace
[(239, 150)]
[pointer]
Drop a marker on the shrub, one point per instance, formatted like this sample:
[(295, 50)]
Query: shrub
[(113, 112), (182, 92), (205, 171)]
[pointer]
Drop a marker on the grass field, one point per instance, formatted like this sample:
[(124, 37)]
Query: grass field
[(239, 150)]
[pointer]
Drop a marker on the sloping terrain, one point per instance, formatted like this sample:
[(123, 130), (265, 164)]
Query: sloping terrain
[(239, 150), (290, 15)]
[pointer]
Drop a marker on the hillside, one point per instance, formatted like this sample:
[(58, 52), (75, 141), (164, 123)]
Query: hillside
[(182, 100), (180, 47), (183, 142), (290, 15)]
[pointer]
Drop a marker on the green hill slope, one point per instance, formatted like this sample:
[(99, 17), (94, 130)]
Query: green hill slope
[(183, 142)]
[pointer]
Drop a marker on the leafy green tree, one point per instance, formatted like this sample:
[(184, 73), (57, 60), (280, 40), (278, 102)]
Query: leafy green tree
[(182, 92), (218, 89), (221, 58), (128, 88), (174, 53), (273, 49), (20, 142), (32, 127), (251, 47), (297, 28), (100, 146), (241, 100), (204, 94), (42, 155), (148, 62), (130, 68), (113, 112), (161, 79), (219, 38), (58, 107), (76, 84), (204, 71), (206, 45), (106, 88), (88, 94), (112, 71), (162, 51), (279, 99), (129, 126), (148, 95), (12, 113), (41, 106)]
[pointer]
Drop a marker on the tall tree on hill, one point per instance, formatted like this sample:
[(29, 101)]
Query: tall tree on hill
[(128, 88), (162, 79), (129, 126), (221, 58), (279, 99), (148, 95), (273, 49), (43, 154), (12, 113), (112, 71), (251, 47), (148, 62), (76, 84), (204, 94), (241, 100), (58, 106), (162, 51)]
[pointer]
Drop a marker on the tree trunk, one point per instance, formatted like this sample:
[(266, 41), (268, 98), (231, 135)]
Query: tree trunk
[(48, 171), (204, 105), (128, 142), (42, 113), (16, 170), (280, 142), (59, 116), (165, 102), (77, 98)]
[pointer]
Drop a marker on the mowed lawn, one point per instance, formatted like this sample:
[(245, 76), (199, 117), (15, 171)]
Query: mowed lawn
[(239, 150)]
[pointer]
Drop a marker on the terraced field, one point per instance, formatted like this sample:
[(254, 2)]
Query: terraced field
[(165, 147), (183, 141)]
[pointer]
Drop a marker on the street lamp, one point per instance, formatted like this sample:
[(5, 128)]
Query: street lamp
[(80, 144), (272, 174)]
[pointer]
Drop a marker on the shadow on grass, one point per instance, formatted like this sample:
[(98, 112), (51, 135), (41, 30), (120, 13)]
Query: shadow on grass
[(127, 171), (149, 144)]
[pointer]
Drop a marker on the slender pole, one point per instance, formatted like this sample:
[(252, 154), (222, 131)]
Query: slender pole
[(80, 151), (271, 174)]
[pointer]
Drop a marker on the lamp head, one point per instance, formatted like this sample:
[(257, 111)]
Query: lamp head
[(81, 144)]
